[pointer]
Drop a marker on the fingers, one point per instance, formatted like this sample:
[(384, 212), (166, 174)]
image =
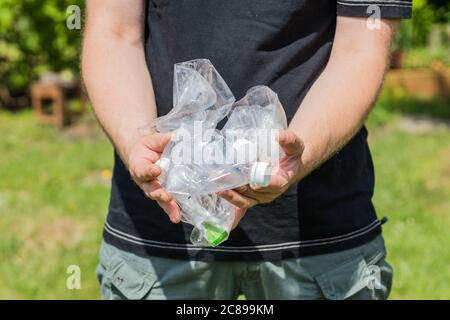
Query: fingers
[(144, 155), (144, 171), (238, 215), (254, 191), (165, 200), (243, 189), (265, 194), (291, 144), (237, 199), (155, 191), (158, 141), (172, 209)]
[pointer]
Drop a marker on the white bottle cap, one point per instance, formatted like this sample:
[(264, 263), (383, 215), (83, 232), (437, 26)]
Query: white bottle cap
[(163, 163), (260, 174)]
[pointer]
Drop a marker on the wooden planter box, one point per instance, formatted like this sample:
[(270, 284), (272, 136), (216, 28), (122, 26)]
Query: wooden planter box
[(426, 83), (57, 94)]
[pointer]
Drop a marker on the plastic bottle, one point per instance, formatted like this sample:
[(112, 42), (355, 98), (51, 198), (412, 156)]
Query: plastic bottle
[(200, 94), (251, 134)]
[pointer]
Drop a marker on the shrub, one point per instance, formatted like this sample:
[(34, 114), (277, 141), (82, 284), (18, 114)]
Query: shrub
[(34, 38)]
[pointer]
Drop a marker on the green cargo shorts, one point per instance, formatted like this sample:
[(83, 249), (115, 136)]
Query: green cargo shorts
[(358, 273)]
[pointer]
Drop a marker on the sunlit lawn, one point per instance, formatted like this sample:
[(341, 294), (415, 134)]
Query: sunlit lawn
[(53, 198), (54, 195)]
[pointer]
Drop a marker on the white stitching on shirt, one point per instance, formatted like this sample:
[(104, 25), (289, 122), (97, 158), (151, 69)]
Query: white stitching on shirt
[(371, 1), (346, 235), (167, 245), (403, 5)]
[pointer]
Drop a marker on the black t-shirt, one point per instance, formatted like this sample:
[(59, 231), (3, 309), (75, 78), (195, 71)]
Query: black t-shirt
[(284, 45)]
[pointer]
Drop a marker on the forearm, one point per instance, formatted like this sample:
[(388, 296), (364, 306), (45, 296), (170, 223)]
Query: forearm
[(118, 83), (334, 110), (341, 98)]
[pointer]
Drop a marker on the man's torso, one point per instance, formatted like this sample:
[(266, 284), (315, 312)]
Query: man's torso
[(282, 44)]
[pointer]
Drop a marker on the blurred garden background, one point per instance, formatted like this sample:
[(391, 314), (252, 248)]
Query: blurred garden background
[(55, 170)]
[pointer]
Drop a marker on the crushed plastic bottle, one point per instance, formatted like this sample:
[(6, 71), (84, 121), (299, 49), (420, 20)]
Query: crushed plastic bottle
[(250, 149), (257, 117), (200, 96), (251, 131), (244, 152)]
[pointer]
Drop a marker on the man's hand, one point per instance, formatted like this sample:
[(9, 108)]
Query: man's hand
[(141, 164), (122, 96), (289, 171)]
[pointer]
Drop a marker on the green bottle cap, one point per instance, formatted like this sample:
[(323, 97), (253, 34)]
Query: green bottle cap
[(214, 234)]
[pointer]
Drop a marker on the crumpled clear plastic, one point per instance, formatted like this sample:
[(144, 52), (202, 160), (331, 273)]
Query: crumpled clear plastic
[(200, 95), (244, 152), (248, 143)]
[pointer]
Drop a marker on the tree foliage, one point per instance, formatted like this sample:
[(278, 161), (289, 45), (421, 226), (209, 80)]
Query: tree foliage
[(34, 38), (415, 32)]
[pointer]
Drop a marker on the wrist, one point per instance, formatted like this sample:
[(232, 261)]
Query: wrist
[(313, 154)]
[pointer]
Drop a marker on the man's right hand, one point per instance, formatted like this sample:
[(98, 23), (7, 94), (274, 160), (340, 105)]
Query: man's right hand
[(141, 160)]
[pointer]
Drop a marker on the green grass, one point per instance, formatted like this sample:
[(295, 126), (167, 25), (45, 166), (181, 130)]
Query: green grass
[(54, 195), (53, 198), (413, 190)]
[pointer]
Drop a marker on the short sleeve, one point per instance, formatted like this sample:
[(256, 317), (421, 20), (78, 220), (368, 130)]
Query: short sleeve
[(400, 9)]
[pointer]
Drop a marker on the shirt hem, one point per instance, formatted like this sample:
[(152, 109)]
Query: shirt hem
[(256, 253), (397, 10)]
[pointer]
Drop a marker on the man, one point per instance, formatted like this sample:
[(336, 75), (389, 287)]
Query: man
[(313, 232)]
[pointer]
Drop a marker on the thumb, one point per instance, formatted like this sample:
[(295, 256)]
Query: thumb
[(291, 144), (158, 141)]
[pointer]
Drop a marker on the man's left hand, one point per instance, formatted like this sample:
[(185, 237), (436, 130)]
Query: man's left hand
[(289, 171)]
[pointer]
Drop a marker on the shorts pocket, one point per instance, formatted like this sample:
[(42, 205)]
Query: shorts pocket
[(346, 280), (126, 282)]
